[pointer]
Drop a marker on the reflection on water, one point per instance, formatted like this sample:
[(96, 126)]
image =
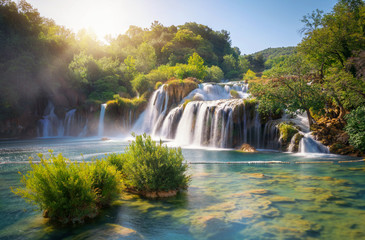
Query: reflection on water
[(224, 201)]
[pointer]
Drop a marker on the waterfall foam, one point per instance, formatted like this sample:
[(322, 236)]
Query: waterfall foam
[(308, 145)]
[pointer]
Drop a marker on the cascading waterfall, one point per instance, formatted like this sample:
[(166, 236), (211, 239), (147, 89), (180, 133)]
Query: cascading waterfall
[(308, 145), (70, 121), (152, 117), (52, 126), (101, 119), (212, 117)]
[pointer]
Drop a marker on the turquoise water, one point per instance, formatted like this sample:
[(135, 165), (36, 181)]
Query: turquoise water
[(315, 197)]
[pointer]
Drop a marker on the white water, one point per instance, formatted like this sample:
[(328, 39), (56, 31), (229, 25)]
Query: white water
[(155, 112), (52, 126), (205, 121), (101, 120), (308, 145)]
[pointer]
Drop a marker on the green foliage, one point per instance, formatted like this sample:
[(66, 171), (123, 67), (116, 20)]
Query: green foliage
[(356, 127), (249, 75), (141, 84), (150, 166), (331, 42), (69, 192), (292, 90), (229, 66), (116, 160), (106, 182), (145, 58), (126, 103), (234, 93), (287, 131), (214, 74), (158, 85)]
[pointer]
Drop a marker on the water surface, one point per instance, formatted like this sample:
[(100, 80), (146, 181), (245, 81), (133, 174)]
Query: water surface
[(306, 197)]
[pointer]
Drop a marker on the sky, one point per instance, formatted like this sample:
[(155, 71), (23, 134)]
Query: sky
[(254, 25)]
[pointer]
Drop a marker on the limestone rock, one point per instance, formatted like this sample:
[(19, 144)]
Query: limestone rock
[(246, 148)]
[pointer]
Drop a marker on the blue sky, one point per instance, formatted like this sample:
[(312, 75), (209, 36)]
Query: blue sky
[(254, 25)]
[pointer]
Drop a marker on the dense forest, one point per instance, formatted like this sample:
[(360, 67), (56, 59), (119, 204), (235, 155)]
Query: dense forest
[(323, 76), (42, 61)]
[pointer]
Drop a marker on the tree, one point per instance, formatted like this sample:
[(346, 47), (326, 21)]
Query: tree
[(330, 43), (293, 89), (229, 66), (141, 84), (145, 58), (249, 75), (356, 128), (195, 61), (214, 74)]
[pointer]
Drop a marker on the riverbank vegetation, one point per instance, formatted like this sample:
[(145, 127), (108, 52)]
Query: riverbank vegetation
[(42, 61), (71, 192), (324, 77), (68, 191)]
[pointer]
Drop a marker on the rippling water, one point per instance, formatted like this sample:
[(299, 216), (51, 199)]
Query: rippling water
[(302, 197)]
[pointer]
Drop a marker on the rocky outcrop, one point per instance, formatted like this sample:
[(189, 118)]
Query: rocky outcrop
[(329, 131), (178, 89), (121, 114), (247, 148), (287, 132)]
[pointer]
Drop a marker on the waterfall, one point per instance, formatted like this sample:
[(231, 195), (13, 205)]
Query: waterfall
[(151, 119), (53, 126), (69, 122), (271, 135), (101, 119), (308, 145), (211, 117), (50, 125), (292, 143)]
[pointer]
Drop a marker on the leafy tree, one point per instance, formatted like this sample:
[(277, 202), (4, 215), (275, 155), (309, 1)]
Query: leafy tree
[(141, 84), (214, 74), (229, 66), (249, 75), (356, 127), (292, 90), (145, 58), (330, 43), (197, 63)]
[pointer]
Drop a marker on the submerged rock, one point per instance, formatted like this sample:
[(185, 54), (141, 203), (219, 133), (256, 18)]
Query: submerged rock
[(109, 231)]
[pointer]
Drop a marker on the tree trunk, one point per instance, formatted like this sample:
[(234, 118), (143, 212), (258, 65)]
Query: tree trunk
[(310, 118)]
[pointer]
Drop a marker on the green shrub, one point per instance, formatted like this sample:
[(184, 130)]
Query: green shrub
[(141, 84), (287, 131), (151, 167), (356, 128), (106, 182), (69, 192), (234, 93), (158, 85), (214, 74), (116, 160)]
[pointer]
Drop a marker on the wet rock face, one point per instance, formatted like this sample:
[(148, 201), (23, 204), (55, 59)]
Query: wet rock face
[(330, 132), (178, 89)]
